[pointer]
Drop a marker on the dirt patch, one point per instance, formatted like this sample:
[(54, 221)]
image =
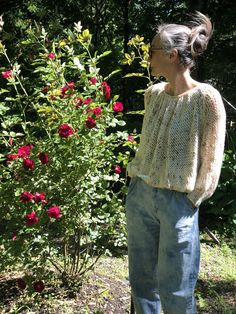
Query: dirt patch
[(106, 291)]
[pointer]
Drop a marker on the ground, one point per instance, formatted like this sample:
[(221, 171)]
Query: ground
[(106, 290)]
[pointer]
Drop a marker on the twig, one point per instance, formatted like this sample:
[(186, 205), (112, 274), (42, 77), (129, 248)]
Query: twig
[(229, 103), (214, 238), (55, 265)]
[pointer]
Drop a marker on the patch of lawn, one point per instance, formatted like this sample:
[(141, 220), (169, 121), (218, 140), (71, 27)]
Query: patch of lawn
[(106, 289), (216, 287)]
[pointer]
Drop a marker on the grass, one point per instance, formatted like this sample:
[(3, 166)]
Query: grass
[(216, 288), (106, 289)]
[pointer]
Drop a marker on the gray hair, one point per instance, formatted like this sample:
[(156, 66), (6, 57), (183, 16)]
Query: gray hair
[(190, 40)]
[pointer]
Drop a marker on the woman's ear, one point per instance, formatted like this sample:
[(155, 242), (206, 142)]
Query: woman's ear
[(173, 55)]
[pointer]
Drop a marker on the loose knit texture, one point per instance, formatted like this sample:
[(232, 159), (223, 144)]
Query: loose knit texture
[(182, 141)]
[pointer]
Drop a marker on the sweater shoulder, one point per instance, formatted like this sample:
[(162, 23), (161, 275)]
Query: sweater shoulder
[(154, 89), (212, 99), (209, 92)]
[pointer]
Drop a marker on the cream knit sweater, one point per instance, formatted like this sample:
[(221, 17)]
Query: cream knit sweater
[(182, 141)]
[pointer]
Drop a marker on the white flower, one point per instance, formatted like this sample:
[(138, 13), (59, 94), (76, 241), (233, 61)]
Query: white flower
[(70, 50), (78, 64), (1, 23), (78, 27), (93, 70)]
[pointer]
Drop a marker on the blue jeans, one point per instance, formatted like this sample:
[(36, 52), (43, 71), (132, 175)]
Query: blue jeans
[(163, 249)]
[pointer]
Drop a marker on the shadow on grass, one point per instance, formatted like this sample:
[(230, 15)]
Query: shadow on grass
[(216, 296), (213, 296)]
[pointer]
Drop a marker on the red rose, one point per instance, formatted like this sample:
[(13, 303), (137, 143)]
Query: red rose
[(118, 106), (117, 169), (24, 151), (38, 286), (52, 97), (90, 123), (78, 102), (7, 74), (39, 197), (88, 101), (51, 55), (44, 158), (106, 90), (21, 283), (64, 89), (71, 84), (65, 130), (14, 237), (31, 219), (11, 157), (54, 212), (45, 89), (130, 138), (97, 111), (29, 164), (26, 197), (93, 80)]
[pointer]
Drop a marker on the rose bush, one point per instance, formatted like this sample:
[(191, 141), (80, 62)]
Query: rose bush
[(62, 174)]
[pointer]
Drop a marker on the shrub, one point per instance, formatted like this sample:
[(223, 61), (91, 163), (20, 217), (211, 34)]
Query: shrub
[(63, 166)]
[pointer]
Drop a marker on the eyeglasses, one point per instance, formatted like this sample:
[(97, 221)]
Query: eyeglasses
[(153, 49)]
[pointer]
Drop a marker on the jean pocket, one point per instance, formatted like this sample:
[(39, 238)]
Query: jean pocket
[(132, 184), (189, 203)]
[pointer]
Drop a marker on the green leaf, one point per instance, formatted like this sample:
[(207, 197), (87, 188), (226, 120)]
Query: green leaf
[(26, 42), (2, 90), (142, 112), (121, 122), (3, 109), (93, 87), (115, 98), (10, 99), (111, 74), (144, 64), (134, 74), (104, 54), (114, 122), (140, 91)]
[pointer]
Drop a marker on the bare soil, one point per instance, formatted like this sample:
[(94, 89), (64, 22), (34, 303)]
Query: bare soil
[(106, 291)]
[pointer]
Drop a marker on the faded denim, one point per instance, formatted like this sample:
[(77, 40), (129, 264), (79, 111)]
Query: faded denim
[(163, 249)]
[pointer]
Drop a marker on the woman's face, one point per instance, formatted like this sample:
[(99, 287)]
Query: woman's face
[(158, 58)]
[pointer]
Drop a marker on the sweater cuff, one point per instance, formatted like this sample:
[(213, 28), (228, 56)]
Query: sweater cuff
[(131, 170), (196, 198)]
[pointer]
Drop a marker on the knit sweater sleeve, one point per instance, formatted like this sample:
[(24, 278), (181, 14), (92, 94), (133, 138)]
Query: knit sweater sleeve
[(211, 148)]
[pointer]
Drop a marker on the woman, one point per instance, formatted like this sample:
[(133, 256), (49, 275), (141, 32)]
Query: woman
[(176, 168)]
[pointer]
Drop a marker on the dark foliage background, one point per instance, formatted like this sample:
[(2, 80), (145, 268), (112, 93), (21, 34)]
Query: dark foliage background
[(113, 23)]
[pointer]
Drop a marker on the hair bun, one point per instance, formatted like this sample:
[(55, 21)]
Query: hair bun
[(201, 32)]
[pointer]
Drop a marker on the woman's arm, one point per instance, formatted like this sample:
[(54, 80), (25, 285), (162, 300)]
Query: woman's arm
[(211, 149)]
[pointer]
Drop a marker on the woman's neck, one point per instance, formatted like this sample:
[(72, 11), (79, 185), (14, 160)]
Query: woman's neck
[(179, 83)]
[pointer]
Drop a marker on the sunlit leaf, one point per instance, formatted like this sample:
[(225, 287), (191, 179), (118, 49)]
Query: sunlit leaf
[(134, 74)]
